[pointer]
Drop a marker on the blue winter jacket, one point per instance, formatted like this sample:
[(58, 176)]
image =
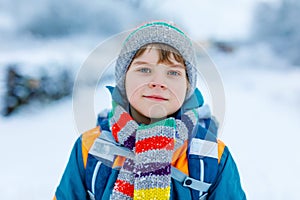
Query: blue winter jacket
[(226, 186)]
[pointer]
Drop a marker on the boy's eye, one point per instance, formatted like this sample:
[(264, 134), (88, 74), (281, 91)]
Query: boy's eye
[(144, 70), (174, 73)]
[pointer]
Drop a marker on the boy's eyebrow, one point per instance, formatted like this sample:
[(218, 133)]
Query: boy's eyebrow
[(178, 65), (139, 62)]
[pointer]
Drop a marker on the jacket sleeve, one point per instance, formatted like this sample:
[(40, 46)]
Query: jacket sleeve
[(72, 185), (227, 184)]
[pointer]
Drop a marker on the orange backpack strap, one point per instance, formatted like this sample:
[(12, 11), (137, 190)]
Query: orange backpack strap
[(221, 147), (88, 139)]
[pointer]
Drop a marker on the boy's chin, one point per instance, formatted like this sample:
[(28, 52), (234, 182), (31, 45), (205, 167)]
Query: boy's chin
[(156, 112)]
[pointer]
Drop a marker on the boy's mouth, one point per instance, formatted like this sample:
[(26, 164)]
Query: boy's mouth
[(155, 97)]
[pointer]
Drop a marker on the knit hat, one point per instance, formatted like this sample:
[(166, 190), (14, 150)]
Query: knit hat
[(156, 32)]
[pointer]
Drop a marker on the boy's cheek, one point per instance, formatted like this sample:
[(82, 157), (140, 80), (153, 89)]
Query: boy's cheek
[(134, 85), (133, 92), (132, 79)]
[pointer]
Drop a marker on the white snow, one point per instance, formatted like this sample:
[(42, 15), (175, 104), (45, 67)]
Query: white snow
[(34, 150)]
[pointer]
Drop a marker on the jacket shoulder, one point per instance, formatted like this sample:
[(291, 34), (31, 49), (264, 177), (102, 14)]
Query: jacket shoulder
[(227, 183)]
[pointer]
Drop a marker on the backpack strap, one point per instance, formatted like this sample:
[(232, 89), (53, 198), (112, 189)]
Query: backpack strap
[(106, 147), (94, 165), (188, 181), (203, 156)]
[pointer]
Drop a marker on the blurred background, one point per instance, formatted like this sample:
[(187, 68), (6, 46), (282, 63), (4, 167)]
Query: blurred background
[(255, 45)]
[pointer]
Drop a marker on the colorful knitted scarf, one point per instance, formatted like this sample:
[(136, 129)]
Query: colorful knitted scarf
[(148, 174)]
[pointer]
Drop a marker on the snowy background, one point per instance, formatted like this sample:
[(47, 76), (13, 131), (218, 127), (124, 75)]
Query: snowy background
[(254, 44)]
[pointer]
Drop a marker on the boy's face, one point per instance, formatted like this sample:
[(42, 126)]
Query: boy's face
[(155, 90)]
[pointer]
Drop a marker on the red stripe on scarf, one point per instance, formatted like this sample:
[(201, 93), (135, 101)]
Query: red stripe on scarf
[(124, 187), (124, 118), (157, 142), (115, 130), (116, 127)]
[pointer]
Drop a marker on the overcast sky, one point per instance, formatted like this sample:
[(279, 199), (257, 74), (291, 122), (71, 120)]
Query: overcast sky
[(219, 19)]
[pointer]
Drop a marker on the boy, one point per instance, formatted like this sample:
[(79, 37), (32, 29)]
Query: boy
[(155, 143)]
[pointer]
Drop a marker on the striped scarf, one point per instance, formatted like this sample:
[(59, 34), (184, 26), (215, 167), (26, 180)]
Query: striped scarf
[(148, 174)]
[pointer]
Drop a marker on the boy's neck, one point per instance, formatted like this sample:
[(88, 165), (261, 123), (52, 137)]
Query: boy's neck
[(141, 119)]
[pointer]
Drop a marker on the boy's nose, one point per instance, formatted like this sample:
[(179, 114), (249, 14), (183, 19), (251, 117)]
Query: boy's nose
[(157, 85)]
